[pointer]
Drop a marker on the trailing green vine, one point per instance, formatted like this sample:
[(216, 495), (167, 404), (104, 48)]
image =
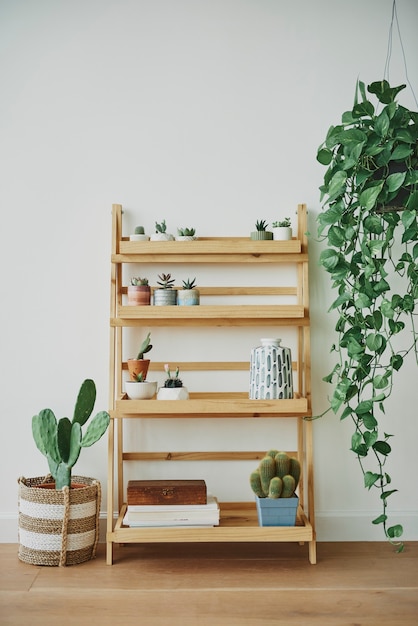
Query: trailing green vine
[(369, 223)]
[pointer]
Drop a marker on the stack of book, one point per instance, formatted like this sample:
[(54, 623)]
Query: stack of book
[(170, 503)]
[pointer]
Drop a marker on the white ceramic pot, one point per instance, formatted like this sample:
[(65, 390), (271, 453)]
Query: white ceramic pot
[(162, 237), (172, 393), (138, 237), (186, 237), (140, 391), (282, 233)]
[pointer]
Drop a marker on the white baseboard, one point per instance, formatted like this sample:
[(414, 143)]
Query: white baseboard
[(330, 526)]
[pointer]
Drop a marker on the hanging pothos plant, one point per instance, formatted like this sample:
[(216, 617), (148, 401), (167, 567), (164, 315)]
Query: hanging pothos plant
[(369, 222)]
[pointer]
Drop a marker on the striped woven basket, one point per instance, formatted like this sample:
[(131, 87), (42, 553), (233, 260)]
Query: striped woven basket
[(58, 527)]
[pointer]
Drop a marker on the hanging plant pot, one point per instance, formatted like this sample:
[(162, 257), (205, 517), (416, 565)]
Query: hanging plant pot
[(136, 367), (277, 511), (58, 527)]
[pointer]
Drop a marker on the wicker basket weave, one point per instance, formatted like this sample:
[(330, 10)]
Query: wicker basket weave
[(58, 527)]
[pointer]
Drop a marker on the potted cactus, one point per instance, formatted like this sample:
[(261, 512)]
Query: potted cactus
[(139, 292), (140, 389), (173, 388), (59, 513), (139, 234), (165, 295), (282, 229), (189, 294), (140, 365), (161, 233), (261, 232), (274, 483), (186, 234)]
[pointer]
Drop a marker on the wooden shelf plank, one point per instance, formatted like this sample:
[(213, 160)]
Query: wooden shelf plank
[(224, 247), (212, 405)]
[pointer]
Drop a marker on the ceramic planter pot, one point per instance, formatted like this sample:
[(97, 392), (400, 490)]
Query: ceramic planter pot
[(165, 297), (136, 367), (186, 237), (261, 235), (161, 237), (58, 527), (282, 233), (139, 295), (277, 511), (138, 237), (140, 391), (188, 297), (172, 393)]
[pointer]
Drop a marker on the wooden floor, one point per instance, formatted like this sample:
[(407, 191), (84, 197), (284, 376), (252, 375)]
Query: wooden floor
[(357, 584)]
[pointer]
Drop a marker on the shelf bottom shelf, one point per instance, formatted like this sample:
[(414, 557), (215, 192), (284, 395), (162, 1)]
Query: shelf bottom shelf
[(238, 523)]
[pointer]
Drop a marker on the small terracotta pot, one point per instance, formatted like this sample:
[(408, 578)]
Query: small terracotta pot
[(139, 295), (136, 366)]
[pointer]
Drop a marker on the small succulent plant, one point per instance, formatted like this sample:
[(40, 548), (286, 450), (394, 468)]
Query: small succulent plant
[(261, 225), (277, 476), (139, 230), (172, 381), (136, 281), (189, 284), (186, 232), (160, 227), (282, 224), (165, 282), (146, 346)]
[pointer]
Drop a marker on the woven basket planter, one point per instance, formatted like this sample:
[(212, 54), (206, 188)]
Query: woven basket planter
[(58, 527)]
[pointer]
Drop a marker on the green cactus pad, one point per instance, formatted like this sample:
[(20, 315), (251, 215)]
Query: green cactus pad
[(276, 487), (282, 464), (295, 470), (267, 472), (289, 486), (255, 482), (85, 402)]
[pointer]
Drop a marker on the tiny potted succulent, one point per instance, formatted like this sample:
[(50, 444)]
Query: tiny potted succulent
[(140, 365), (189, 294), (186, 234), (47, 503), (282, 229), (139, 292), (173, 388), (274, 483), (140, 389), (165, 295), (161, 233), (139, 234), (261, 232)]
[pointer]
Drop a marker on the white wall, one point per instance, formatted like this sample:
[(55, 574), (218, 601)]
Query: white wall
[(202, 112)]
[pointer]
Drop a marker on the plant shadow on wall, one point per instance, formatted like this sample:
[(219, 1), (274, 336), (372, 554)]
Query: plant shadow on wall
[(369, 222)]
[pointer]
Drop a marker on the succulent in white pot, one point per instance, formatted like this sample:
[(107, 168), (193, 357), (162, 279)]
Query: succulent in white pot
[(139, 234), (282, 230), (173, 388), (186, 234)]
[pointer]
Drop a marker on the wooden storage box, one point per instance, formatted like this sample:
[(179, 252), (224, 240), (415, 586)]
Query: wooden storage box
[(166, 492)]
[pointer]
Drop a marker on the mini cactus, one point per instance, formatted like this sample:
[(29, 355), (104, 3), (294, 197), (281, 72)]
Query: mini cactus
[(139, 230), (277, 476), (136, 281), (170, 381), (165, 282), (160, 227), (146, 346), (61, 441)]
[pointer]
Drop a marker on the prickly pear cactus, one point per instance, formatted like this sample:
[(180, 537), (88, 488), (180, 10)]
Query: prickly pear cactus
[(277, 476), (61, 441)]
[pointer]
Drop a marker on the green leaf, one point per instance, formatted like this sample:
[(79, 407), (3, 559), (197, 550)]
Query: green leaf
[(380, 381), (370, 478), (375, 342), (364, 407), (394, 532), (386, 494), (395, 181), (382, 124), (382, 447), (380, 520), (402, 151), (369, 196), (329, 259), (396, 361), (370, 422), (337, 185), (324, 156)]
